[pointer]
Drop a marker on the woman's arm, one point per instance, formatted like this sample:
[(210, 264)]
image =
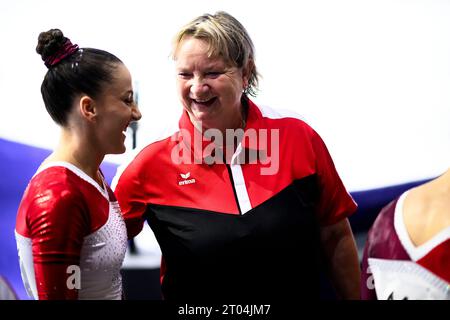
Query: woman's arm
[(342, 259)]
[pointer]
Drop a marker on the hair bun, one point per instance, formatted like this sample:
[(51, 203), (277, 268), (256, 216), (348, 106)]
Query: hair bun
[(54, 47), (50, 42)]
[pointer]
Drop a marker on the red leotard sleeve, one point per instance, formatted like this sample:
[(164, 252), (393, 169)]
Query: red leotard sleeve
[(57, 221)]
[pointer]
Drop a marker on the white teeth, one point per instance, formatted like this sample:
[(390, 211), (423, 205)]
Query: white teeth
[(202, 101)]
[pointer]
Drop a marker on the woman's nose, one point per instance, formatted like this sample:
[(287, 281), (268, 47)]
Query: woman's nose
[(199, 87), (136, 113)]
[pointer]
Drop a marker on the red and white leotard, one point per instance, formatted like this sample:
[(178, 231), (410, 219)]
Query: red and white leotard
[(394, 268), (71, 237)]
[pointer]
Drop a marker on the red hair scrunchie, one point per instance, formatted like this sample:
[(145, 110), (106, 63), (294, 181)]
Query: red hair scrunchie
[(67, 49)]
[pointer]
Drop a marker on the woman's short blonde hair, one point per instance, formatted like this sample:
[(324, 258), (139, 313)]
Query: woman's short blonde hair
[(226, 38)]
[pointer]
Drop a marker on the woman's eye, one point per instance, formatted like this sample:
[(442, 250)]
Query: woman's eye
[(213, 74), (184, 75)]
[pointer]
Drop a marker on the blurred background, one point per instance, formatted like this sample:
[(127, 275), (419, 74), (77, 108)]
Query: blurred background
[(372, 77)]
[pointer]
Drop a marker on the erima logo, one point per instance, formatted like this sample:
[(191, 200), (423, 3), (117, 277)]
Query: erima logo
[(186, 179)]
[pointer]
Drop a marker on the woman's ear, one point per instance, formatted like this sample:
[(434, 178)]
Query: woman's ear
[(247, 72), (87, 108)]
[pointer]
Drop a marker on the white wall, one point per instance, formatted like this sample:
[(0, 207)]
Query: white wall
[(372, 77)]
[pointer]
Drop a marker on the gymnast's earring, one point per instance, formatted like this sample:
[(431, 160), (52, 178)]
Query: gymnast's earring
[(245, 86)]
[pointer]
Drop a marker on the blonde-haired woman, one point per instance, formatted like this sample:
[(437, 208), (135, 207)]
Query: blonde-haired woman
[(250, 195)]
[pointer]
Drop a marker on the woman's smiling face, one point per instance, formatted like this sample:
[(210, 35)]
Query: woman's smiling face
[(209, 89)]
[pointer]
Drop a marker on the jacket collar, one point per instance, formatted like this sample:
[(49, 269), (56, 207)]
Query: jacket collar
[(251, 147)]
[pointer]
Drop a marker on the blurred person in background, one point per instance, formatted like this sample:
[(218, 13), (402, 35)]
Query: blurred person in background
[(407, 253)]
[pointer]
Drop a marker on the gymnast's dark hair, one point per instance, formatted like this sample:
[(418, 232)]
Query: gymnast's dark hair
[(71, 71)]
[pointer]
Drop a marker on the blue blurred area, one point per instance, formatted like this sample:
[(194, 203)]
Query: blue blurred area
[(18, 163)]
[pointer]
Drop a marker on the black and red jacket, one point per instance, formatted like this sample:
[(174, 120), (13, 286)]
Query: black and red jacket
[(226, 230)]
